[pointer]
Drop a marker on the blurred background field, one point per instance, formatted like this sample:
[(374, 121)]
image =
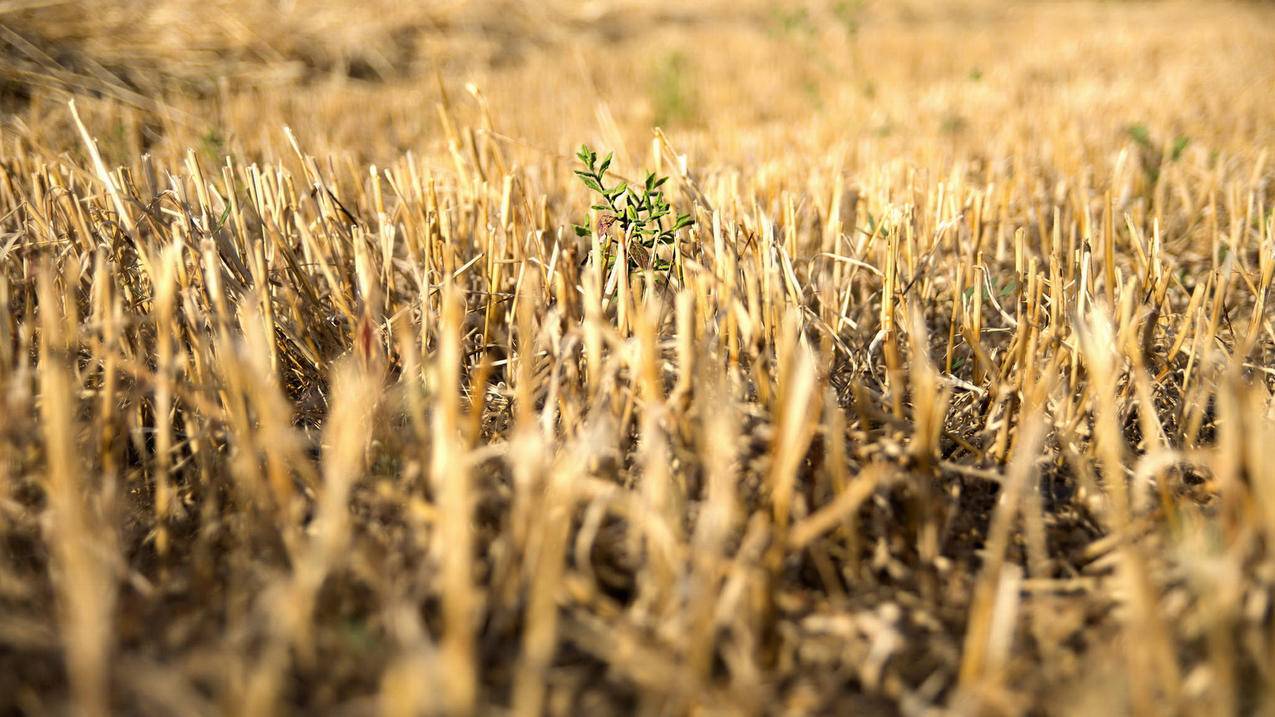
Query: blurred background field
[(955, 399), (364, 80)]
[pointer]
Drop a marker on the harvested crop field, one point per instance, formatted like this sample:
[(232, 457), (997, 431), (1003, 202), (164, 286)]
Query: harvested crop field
[(482, 358)]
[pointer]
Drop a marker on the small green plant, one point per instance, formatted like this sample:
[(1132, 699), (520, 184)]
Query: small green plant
[(642, 214), (1180, 144), (850, 14), (791, 22), (673, 96), (213, 145), (1151, 153), (1140, 134)]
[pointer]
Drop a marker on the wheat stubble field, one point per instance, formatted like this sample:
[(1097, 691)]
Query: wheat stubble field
[(915, 358)]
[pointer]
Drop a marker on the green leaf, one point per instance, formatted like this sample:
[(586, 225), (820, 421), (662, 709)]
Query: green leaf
[(605, 163), (1140, 134), (224, 216), (581, 231), (1179, 146)]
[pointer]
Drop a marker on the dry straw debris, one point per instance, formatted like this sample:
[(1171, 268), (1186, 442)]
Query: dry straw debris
[(952, 394)]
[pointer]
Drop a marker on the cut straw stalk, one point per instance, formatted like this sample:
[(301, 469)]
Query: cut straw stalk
[(79, 543)]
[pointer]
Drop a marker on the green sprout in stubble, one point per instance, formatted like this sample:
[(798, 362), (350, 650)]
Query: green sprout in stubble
[(672, 91), (1151, 154), (643, 215)]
